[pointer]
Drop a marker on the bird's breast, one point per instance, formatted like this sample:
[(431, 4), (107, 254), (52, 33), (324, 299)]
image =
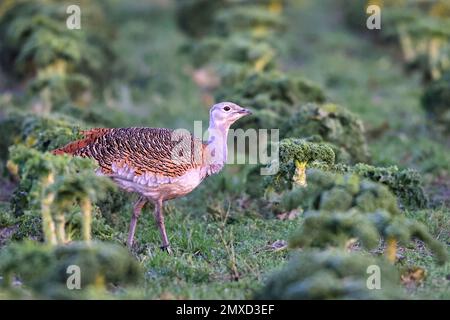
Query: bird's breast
[(155, 186)]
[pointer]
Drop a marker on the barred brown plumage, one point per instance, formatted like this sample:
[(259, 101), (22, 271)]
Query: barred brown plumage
[(142, 150), (159, 164)]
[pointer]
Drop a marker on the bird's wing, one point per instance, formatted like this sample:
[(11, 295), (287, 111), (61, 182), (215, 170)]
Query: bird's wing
[(157, 151)]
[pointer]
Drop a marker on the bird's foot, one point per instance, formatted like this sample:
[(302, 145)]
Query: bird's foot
[(167, 249)]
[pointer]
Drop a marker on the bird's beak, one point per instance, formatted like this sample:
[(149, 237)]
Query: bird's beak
[(245, 112)]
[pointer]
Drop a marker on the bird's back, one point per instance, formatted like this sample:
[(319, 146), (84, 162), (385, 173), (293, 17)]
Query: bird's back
[(156, 151)]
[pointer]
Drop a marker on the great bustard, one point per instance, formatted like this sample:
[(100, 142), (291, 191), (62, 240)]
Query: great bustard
[(158, 164)]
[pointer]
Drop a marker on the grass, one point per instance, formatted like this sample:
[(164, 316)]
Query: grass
[(221, 250), (212, 260)]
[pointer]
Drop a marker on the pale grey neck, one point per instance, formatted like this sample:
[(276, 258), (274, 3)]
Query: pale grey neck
[(217, 146)]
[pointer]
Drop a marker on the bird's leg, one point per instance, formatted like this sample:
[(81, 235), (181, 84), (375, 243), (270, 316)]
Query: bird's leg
[(137, 209), (159, 217)]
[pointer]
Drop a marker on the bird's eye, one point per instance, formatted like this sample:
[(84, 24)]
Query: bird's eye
[(226, 108)]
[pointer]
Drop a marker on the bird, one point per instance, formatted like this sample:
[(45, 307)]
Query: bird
[(158, 164)]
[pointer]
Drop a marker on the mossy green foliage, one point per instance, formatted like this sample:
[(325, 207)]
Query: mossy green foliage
[(27, 223), (240, 49), (112, 206), (43, 269), (405, 230), (31, 136), (34, 38), (421, 30), (253, 182), (406, 184), (333, 124), (322, 229), (66, 176), (56, 90), (315, 155), (42, 133), (272, 96), (48, 132), (356, 16), (69, 186), (328, 191), (196, 17), (10, 128), (436, 101), (27, 226), (97, 115), (342, 207), (255, 20), (32, 167), (395, 17), (85, 189), (303, 151), (234, 58), (204, 50), (6, 218), (434, 60), (331, 274), (38, 47)]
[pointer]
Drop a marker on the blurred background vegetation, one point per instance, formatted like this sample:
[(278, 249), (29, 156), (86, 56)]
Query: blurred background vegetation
[(364, 118)]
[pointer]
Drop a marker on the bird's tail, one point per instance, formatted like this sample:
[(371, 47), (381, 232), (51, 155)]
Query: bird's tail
[(70, 148), (89, 137)]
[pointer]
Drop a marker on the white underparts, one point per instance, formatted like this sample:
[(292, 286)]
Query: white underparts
[(155, 186)]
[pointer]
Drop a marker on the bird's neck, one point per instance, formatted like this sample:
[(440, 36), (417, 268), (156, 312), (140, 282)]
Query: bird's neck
[(217, 150)]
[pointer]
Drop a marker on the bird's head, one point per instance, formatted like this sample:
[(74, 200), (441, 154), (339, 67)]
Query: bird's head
[(224, 114)]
